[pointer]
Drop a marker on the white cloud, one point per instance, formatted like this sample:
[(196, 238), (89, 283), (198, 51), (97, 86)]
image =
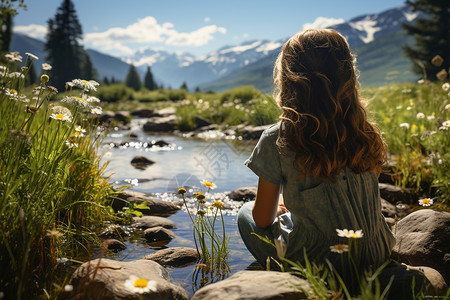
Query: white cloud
[(199, 37), (33, 30), (322, 22), (207, 19)]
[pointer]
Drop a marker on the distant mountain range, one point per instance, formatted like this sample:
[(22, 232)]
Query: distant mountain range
[(376, 39)]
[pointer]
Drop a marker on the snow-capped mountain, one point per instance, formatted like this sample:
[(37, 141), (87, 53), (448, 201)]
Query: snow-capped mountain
[(173, 69)]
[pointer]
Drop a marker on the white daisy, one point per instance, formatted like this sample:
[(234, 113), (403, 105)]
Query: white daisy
[(96, 111), (350, 233), (426, 202), (404, 125), (46, 67), (339, 248), (420, 115), (90, 85), (446, 86), (32, 55), (60, 117), (79, 101), (140, 285)]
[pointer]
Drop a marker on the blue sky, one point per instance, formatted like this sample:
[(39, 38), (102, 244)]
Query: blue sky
[(119, 27)]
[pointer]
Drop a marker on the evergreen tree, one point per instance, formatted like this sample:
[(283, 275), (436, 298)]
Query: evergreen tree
[(113, 80), (197, 89), (149, 82), (8, 9), (133, 79), (431, 35), (184, 86), (105, 80), (65, 54)]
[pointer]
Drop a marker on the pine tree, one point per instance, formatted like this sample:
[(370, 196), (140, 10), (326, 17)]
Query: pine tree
[(133, 80), (105, 80), (431, 35), (184, 86), (149, 82), (67, 57), (8, 9)]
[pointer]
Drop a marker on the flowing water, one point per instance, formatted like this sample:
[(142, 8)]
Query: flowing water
[(184, 162)]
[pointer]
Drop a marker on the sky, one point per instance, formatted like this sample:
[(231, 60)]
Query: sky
[(119, 28)]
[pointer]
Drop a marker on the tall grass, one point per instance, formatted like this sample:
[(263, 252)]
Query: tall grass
[(53, 193)]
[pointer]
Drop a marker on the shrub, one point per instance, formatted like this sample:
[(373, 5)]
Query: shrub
[(115, 92)]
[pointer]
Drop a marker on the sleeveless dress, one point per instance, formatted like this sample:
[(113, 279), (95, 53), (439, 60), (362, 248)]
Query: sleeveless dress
[(316, 209)]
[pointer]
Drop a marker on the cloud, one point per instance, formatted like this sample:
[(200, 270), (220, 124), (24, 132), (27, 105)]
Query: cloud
[(33, 30), (322, 22), (207, 19), (199, 37)]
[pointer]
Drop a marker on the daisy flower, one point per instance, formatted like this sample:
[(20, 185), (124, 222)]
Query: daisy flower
[(80, 101), (339, 248), (208, 184), (46, 67), (446, 86), (71, 143), (217, 204), (404, 125), (140, 285), (11, 93), (431, 118), (91, 99), (420, 115), (60, 117), (79, 132), (96, 111), (350, 233), (32, 55), (446, 123), (16, 75), (13, 56), (90, 85), (425, 202)]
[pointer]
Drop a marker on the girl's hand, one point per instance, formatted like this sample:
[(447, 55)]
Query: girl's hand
[(281, 209)]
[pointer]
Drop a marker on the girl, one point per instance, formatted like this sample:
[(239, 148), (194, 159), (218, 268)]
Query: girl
[(324, 156)]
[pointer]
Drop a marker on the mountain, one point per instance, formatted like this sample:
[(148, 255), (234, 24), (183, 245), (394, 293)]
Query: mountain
[(105, 65), (376, 39)]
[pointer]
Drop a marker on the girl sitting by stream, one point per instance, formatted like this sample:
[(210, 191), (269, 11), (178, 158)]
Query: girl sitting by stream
[(324, 156)]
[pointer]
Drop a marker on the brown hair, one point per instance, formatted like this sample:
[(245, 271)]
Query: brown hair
[(323, 120)]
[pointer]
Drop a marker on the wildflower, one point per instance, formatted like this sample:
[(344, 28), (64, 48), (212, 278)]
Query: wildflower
[(96, 111), (181, 191), (2, 69), (13, 56), (280, 246), (446, 123), (62, 260), (79, 132), (425, 202), (31, 55), (420, 81), (339, 248), (23, 98), (46, 67), (12, 93), (60, 117), (201, 213), (208, 184), (31, 109), (420, 115), (409, 108), (61, 110), (404, 125), (80, 101), (446, 86), (199, 196), (24, 69), (44, 79), (53, 89), (68, 288), (350, 234), (71, 143), (437, 60), (217, 204), (430, 118), (140, 285), (447, 107), (90, 85), (91, 99), (16, 75), (54, 233)]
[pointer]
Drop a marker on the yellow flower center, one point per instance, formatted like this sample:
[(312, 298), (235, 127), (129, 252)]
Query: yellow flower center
[(140, 283), (208, 184), (355, 236), (60, 116), (81, 99), (85, 81), (13, 92), (426, 201), (339, 247)]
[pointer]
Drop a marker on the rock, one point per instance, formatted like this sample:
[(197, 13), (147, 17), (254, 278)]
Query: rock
[(140, 161), (113, 231), (106, 279), (131, 134), (243, 194), (122, 116), (164, 112), (156, 206), (423, 240), (158, 143), (437, 282), (175, 256), (152, 221), (387, 209), (394, 194), (121, 200), (158, 234), (253, 133), (106, 117), (201, 122), (113, 245), (257, 285), (143, 113), (390, 222), (160, 124)]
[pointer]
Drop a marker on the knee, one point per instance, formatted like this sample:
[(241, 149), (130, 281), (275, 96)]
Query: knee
[(245, 217)]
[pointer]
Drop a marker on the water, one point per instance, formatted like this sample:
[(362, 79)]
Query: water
[(184, 162)]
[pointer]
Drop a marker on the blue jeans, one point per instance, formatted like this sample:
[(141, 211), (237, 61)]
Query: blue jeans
[(260, 249)]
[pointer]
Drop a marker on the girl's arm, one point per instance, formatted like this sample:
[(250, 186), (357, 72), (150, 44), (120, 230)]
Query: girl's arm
[(266, 205)]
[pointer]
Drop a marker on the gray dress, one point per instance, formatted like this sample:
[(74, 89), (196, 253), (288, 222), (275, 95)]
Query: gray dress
[(317, 208)]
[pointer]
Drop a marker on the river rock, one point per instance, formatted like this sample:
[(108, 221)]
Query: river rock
[(161, 124), (253, 133), (156, 206), (175, 256), (158, 143), (158, 234), (140, 161), (201, 122), (394, 194), (167, 111), (106, 279), (243, 194), (257, 285), (387, 209), (152, 221), (107, 117), (143, 113), (113, 245), (122, 116), (423, 240)]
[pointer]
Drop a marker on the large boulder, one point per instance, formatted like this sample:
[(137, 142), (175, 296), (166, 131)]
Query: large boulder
[(423, 240), (243, 194), (143, 112), (156, 206), (158, 234), (152, 221), (110, 280), (175, 256), (395, 194), (161, 124), (257, 285), (141, 162)]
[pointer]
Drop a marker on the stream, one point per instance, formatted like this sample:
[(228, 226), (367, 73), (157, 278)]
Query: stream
[(184, 162)]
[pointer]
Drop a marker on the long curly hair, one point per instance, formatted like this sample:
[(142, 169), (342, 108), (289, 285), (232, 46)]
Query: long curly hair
[(323, 120)]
